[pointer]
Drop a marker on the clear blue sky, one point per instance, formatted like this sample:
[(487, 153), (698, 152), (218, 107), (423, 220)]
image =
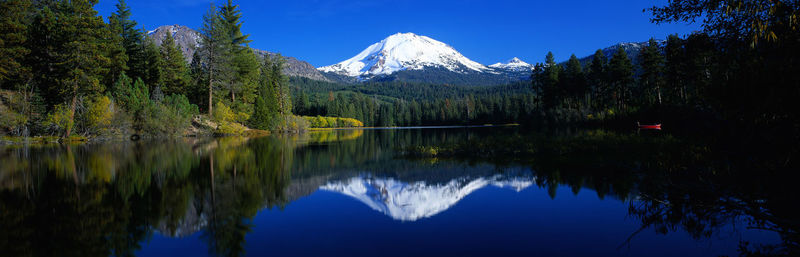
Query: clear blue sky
[(325, 32)]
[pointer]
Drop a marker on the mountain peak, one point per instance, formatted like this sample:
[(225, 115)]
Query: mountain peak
[(514, 64), (404, 51)]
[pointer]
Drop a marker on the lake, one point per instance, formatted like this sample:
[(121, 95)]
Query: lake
[(483, 191)]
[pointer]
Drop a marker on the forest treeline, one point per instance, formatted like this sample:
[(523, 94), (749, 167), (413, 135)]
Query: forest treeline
[(64, 70), (743, 67)]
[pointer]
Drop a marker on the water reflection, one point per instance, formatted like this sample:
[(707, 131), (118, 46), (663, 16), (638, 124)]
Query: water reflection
[(110, 199), (410, 201)]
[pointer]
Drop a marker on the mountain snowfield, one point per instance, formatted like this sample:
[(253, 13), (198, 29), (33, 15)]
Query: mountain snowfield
[(416, 200), (404, 51), (514, 64)]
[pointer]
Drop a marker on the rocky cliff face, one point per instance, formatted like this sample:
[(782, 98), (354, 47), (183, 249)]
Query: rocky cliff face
[(189, 41)]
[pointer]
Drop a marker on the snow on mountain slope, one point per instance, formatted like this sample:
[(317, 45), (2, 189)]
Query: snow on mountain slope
[(417, 200), (404, 51), (515, 64)]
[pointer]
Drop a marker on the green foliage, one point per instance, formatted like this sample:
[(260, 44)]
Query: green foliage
[(98, 115), (223, 113), (176, 75), (59, 119), (134, 99), (13, 38), (216, 53), (289, 123), (132, 40), (11, 119)]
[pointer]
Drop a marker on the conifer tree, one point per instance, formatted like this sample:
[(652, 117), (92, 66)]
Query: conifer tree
[(215, 51), (674, 67), (652, 63), (266, 104), (244, 60), (598, 76), (132, 40), (154, 76), (175, 72), (574, 80), (621, 76), (115, 50), (13, 37), (551, 81), (72, 52)]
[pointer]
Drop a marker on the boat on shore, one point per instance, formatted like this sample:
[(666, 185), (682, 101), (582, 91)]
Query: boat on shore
[(649, 126)]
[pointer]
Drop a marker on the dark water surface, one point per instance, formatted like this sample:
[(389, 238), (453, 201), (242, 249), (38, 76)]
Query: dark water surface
[(485, 192)]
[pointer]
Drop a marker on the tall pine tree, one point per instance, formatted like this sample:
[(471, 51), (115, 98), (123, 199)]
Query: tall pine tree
[(216, 54), (175, 71), (621, 77), (574, 81), (132, 40), (652, 63), (598, 77), (13, 37), (245, 62)]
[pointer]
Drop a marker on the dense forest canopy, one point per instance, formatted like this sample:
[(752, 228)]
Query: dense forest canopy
[(66, 71)]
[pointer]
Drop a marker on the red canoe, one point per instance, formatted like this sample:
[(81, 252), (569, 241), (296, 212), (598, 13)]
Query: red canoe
[(655, 126)]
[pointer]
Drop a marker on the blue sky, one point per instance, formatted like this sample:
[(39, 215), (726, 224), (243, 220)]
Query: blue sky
[(325, 32)]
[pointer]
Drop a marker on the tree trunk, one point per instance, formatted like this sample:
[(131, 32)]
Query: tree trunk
[(658, 91), (210, 91), (72, 107)]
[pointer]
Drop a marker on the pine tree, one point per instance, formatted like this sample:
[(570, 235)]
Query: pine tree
[(244, 60), (674, 67), (652, 63), (115, 50), (574, 80), (70, 59), (281, 85), (621, 77), (13, 37), (132, 40), (551, 81), (266, 104), (175, 72), (216, 54), (154, 76), (598, 76)]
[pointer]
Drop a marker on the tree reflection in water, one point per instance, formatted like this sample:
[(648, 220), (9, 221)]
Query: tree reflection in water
[(108, 199)]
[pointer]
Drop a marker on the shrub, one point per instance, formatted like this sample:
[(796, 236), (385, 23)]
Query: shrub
[(98, 115), (59, 120), (170, 117), (290, 123), (223, 113), (10, 119), (230, 128), (333, 122)]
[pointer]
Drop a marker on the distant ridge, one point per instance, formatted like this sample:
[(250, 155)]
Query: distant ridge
[(189, 40)]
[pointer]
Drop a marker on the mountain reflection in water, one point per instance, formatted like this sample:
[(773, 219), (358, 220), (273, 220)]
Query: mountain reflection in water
[(127, 198)]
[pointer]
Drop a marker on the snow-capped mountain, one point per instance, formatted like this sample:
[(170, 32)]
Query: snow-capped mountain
[(515, 64), (187, 39), (416, 200), (404, 51)]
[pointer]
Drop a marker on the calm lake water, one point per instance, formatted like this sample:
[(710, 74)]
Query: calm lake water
[(487, 192)]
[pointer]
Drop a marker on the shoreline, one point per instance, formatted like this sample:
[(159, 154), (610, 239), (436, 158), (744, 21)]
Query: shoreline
[(54, 140)]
